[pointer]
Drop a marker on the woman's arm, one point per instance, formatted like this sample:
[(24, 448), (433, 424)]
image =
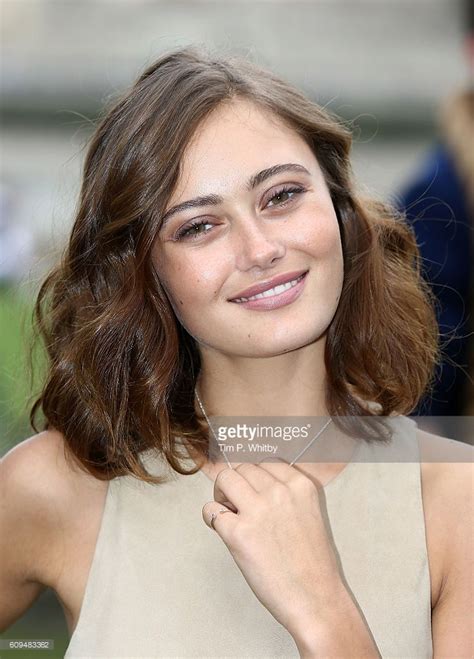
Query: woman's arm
[(29, 554), (279, 540), (453, 630), (449, 504), (343, 633)]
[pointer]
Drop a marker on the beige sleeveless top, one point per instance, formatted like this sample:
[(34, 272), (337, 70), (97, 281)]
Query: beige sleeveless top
[(163, 584)]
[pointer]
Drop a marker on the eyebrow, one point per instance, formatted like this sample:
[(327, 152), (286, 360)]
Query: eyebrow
[(214, 200)]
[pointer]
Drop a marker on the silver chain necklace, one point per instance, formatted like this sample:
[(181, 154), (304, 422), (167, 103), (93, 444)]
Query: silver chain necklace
[(224, 453)]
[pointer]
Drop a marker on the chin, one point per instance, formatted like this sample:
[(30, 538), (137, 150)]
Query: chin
[(270, 346)]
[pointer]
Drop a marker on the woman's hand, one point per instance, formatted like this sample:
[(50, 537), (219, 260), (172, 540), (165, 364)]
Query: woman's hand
[(279, 541)]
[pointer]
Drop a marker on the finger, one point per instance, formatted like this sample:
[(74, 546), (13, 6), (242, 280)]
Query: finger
[(231, 486), (281, 470), (259, 479), (212, 514)]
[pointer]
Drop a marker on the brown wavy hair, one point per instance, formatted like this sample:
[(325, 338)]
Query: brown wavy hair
[(121, 369)]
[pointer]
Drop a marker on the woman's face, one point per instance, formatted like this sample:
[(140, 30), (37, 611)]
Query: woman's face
[(254, 225)]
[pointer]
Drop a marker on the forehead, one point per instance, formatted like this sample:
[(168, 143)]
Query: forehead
[(236, 140)]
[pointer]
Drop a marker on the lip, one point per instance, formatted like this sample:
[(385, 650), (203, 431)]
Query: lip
[(276, 301), (262, 286)]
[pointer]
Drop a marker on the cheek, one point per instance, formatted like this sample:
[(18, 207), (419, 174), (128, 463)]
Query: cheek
[(318, 232), (188, 284), (172, 276)]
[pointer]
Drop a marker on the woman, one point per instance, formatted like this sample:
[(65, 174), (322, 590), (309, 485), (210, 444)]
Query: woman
[(208, 183)]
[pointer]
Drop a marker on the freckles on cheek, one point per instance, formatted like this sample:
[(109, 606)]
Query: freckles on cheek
[(319, 244), (321, 233)]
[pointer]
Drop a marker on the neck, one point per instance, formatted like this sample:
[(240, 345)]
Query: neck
[(290, 384)]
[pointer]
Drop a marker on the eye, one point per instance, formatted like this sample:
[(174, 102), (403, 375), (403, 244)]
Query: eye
[(191, 230), (285, 191)]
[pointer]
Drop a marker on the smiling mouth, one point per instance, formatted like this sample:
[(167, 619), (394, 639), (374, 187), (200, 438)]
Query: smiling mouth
[(272, 292)]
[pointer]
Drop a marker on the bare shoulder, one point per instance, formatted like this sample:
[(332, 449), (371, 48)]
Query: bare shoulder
[(435, 448), (447, 484), (45, 498), (447, 468)]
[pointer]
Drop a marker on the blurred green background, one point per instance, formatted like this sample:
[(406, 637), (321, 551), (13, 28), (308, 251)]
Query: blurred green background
[(45, 619), (15, 313)]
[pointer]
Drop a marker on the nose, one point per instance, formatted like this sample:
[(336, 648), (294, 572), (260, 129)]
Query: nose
[(256, 245)]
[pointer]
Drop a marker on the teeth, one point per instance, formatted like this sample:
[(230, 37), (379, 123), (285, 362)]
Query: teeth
[(272, 291)]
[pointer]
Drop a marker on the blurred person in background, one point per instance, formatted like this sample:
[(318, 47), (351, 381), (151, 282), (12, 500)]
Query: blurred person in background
[(439, 204), (222, 263)]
